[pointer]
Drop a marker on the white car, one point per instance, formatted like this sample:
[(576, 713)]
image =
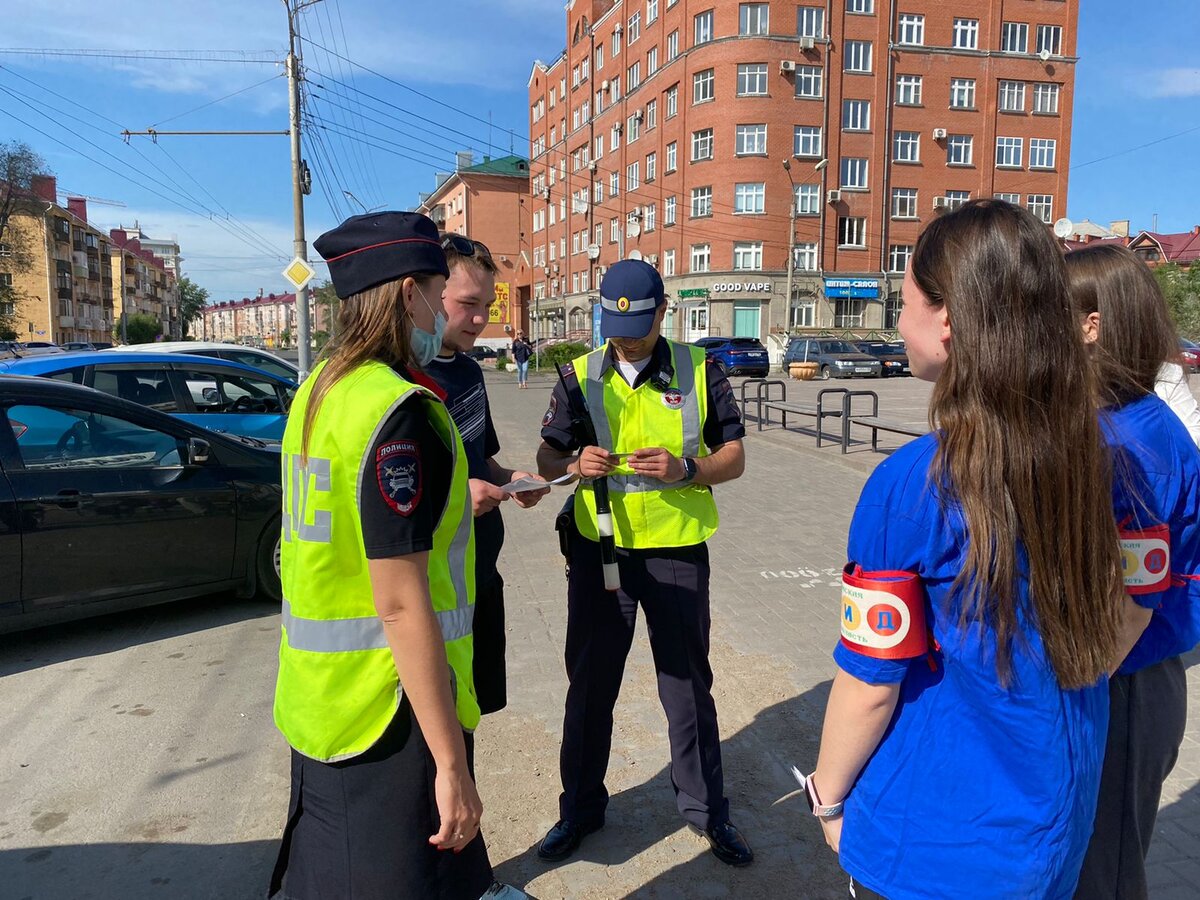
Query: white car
[(247, 356)]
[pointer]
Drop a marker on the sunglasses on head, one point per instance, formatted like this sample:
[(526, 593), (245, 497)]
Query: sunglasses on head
[(465, 246)]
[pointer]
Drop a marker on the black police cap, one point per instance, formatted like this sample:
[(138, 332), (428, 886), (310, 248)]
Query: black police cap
[(379, 247)]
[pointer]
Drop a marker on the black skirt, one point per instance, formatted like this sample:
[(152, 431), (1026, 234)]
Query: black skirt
[(359, 829)]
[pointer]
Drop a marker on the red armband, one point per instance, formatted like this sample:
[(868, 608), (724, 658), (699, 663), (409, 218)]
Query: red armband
[(1146, 559), (883, 614)]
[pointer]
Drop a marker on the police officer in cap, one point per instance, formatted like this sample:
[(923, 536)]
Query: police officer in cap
[(375, 692), (666, 430)]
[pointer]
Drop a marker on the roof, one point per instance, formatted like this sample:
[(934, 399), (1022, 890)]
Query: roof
[(62, 362), (1078, 245), (266, 300), (514, 166), (1182, 248)]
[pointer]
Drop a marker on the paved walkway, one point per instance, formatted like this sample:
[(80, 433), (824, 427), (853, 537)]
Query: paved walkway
[(776, 564)]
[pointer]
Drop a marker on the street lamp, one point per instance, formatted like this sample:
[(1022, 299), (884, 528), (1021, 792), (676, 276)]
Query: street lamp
[(791, 249)]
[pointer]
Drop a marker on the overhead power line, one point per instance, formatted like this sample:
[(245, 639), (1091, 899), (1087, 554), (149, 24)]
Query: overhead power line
[(233, 57)]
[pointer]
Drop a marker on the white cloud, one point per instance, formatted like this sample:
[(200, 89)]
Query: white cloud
[(1177, 82)]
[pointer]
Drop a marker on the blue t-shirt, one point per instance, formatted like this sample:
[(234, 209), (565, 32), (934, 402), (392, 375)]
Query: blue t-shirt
[(976, 790), (1157, 481)]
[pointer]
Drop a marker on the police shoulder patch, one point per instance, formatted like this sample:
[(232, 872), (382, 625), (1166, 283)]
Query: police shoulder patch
[(550, 412), (398, 472)]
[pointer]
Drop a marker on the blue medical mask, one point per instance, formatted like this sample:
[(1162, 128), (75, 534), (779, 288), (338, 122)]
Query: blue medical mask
[(426, 346)]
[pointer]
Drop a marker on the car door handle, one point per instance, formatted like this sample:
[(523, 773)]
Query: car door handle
[(67, 499)]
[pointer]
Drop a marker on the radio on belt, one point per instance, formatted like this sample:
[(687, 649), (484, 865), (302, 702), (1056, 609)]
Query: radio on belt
[(883, 614)]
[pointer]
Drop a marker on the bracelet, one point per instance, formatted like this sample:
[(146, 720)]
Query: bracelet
[(814, 801)]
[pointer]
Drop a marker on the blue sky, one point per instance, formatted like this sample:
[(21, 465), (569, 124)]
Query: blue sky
[(228, 201)]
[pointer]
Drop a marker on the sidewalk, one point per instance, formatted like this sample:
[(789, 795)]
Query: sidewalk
[(776, 566)]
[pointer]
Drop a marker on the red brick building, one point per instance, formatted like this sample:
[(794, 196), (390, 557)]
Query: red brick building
[(664, 128)]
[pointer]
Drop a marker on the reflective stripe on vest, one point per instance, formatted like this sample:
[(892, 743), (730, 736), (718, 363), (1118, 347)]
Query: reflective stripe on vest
[(364, 633)]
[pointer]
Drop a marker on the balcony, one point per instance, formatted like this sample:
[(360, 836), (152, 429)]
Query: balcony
[(64, 293)]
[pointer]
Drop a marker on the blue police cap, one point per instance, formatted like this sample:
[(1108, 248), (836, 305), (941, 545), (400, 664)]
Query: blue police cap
[(630, 294), (371, 249)]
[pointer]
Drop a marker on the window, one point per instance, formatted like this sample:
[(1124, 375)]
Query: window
[(752, 80), (807, 141), (702, 144), (808, 199), (1049, 39), (854, 173), (753, 18), (651, 114), (860, 6), (747, 256), (1014, 37), (959, 149), (966, 34), (906, 147), (962, 93), (615, 87), (856, 115), (1045, 99), (751, 140), (672, 96), (599, 57), (805, 256), (633, 127), (651, 61), (614, 183), (810, 21), (616, 44), (908, 90), (599, 239), (1014, 199), (672, 156), (852, 231), (651, 167), (221, 393), (700, 257), (669, 211), (809, 81), (955, 199), (858, 56), (635, 29), (146, 387), (898, 257), (703, 86), (701, 202), (649, 217), (97, 441), (1012, 96), (668, 263), (904, 203), (614, 135), (672, 45), (910, 29), (703, 28), (634, 76), (1041, 153), (1008, 152), (632, 181), (651, 11), (574, 282), (748, 199), (614, 230)]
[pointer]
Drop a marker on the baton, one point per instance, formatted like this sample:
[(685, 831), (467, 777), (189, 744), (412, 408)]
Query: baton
[(604, 520)]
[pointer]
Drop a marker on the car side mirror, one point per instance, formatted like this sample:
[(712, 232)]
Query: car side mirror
[(198, 451)]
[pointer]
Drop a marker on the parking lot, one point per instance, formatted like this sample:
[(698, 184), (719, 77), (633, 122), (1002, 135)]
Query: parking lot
[(139, 758)]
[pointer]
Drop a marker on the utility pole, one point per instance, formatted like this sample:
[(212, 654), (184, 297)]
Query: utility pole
[(791, 253), (300, 245)]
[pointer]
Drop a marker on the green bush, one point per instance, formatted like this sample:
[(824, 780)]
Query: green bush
[(501, 361), (561, 354)]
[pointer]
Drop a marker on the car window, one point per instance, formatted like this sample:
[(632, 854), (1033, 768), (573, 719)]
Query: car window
[(71, 376), (51, 437), (262, 361), (222, 392), (146, 387), (836, 347), (746, 344)]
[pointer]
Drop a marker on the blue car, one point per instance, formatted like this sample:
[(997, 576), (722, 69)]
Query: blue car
[(737, 355), (212, 393)]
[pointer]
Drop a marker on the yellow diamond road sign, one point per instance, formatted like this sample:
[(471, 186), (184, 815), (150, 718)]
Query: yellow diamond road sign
[(299, 273)]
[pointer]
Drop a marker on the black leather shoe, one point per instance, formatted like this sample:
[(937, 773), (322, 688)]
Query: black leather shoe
[(727, 844), (564, 839)]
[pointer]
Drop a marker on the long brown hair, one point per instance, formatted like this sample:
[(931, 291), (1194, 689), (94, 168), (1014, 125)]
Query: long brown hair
[(372, 324), (1020, 449), (1136, 332)]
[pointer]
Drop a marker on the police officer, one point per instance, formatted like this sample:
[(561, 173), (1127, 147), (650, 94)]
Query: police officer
[(667, 429), (375, 694)]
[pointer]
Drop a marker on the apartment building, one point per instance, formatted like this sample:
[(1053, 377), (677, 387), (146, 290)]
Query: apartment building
[(268, 320), (709, 137), (143, 284), (489, 201)]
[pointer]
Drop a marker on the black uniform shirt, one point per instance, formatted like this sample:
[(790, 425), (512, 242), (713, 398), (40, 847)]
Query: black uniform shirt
[(722, 424)]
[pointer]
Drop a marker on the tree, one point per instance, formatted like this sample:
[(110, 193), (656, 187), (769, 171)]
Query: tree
[(18, 165), (192, 299), (140, 329), (326, 296), (1181, 287)]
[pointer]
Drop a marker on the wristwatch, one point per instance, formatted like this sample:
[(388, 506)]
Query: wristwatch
[(814, 801), (689, 470)]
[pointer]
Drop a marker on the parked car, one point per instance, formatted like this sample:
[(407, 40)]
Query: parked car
[(72, 346), (247, 356), (10, 350), (737, 355), (1189, 354), (893, 357), (212, 393), (106, 505), (39, 348), (834, 358), (479, 351)]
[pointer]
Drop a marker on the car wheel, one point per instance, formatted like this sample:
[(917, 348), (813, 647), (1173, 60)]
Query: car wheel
[(722, 368), (268, 583), (826, 373)]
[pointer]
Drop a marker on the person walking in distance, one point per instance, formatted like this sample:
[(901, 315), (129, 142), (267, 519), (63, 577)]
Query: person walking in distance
[(521, 351), (667, 430), (469, 290)]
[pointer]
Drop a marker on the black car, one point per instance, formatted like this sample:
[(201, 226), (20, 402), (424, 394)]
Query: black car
[(107, 505), (737, 355), (892, 357), (480, 351)]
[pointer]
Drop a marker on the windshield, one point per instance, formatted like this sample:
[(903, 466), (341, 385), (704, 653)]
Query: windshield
[(836, 347), (745, 344)]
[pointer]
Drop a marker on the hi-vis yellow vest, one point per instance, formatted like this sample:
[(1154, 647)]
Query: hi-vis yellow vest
[(648, 513), (338, 688)]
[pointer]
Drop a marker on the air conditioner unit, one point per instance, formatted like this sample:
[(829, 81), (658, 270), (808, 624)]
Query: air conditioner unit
[(555, 268), (833, 196), (593, 166), (939, 202), (604, 85), (637, 116), (786, 66), (939, 134), (807, 43), (652, 259)]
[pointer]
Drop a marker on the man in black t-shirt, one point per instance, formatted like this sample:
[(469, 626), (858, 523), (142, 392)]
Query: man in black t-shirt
[(470, 289)]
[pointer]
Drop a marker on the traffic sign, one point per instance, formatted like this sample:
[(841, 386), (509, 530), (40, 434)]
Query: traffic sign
[(299, 273)]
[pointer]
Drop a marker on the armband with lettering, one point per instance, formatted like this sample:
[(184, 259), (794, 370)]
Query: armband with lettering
[(883, 614), (1146, 559)]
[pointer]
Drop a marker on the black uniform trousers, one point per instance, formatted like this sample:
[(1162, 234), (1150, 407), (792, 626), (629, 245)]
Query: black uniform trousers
[(1146, 722), (671, 586)]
